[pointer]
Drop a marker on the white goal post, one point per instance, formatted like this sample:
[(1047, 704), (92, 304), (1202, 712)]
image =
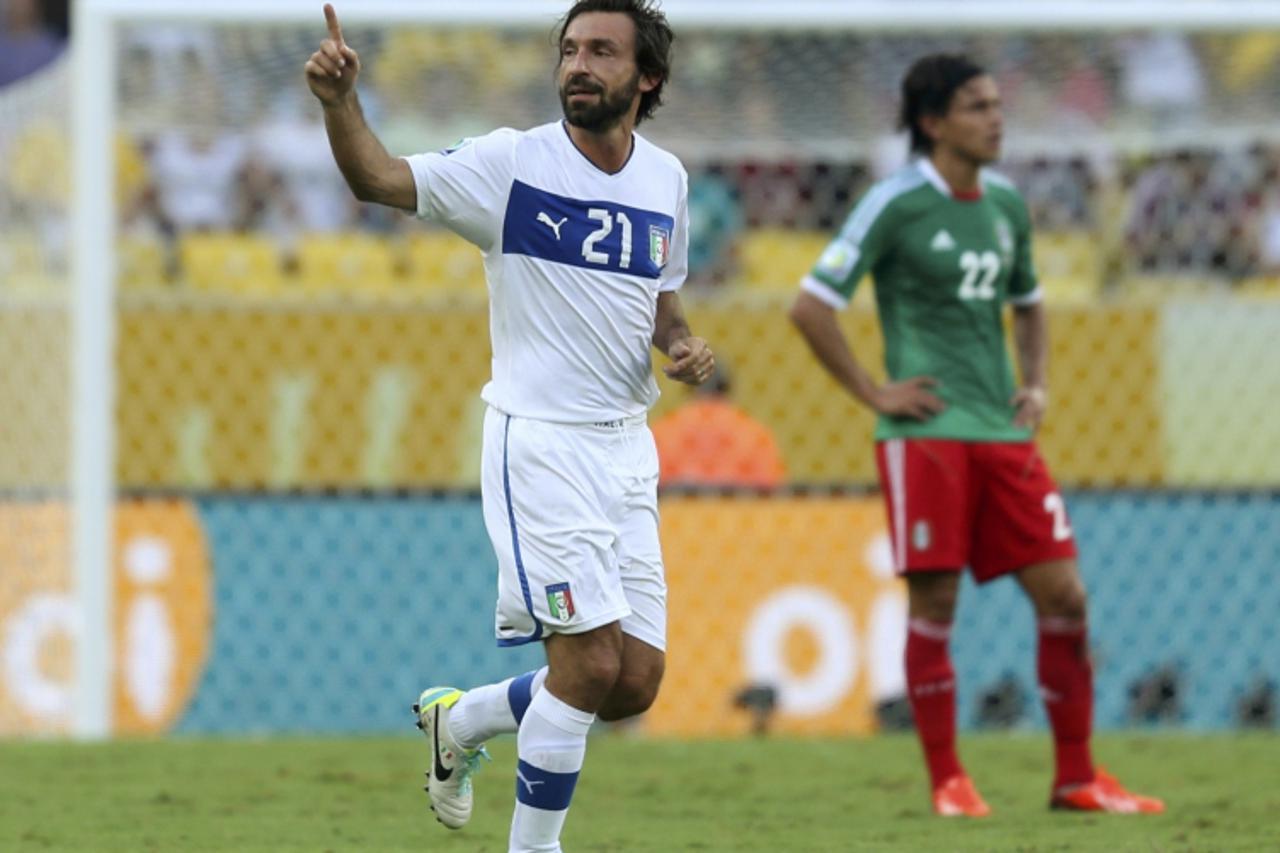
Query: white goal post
[(96, 26)]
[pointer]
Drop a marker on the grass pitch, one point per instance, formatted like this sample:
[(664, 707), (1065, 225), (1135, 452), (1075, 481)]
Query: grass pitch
[(635, 795)]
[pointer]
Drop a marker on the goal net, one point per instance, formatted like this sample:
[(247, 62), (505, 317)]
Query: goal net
[(292, 441)]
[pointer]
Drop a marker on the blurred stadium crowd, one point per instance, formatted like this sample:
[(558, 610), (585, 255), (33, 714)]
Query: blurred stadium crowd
[(1146, 158)]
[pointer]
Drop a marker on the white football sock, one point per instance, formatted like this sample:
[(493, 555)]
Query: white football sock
[(551, 745), (493, 709)]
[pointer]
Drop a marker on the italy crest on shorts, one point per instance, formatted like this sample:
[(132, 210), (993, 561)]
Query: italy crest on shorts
[(560, 600), (659, 245)]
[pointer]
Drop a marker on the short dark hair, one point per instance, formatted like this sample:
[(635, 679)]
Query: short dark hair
[(653, 42), (927, 90)]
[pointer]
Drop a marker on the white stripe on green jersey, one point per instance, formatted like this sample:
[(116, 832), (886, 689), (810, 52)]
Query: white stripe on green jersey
[(875, 201)]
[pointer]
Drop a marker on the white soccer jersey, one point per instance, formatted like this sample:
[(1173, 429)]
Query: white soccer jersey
[(575, 258)]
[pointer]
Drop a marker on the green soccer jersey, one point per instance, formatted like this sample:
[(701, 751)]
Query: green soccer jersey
[(943, 268)]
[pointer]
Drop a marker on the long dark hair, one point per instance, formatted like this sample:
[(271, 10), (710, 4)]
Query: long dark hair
[(653, 42), (927, 91)]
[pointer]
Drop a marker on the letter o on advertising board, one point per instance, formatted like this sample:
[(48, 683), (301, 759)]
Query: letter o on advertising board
[(811, 609)]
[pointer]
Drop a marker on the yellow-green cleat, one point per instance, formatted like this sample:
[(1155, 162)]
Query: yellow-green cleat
[(449, 776)]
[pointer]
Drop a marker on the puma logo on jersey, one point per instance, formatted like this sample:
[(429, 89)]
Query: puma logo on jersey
[(942, 241), (554, 226)]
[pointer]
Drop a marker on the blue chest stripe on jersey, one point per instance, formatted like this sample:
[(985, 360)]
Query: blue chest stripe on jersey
[(587, 234)]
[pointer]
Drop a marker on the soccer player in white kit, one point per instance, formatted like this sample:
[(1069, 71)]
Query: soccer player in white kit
[(584, 229)]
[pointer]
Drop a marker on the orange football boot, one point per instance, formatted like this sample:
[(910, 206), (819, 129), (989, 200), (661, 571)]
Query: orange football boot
[(957, 797), (1104, 794)]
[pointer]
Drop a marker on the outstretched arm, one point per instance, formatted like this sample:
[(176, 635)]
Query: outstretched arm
[(692, 361), (372, 173), (910, 398)]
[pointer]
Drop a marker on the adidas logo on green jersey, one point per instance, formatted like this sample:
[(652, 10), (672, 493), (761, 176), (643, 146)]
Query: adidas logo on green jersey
[(943, 241)]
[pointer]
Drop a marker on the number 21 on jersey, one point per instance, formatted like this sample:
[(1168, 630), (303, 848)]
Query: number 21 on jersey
[(606, 220)]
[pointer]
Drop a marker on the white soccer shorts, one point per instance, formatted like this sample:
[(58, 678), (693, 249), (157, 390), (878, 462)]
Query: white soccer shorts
[(572, 511)]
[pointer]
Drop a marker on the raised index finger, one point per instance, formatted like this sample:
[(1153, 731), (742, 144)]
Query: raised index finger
[(335, 29)]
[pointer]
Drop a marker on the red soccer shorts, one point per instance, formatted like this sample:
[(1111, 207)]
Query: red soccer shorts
[(992, 506)]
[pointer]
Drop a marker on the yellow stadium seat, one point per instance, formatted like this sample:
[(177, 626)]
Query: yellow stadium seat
[(346, 263), (20, 257), (39, 164), (231, 263), (24, 268), (440, 261), (1246, 58), (132, 175), (778, 258), (1069, 264), (140, 263), (1156, 287), (407, 51), (1260, 287)]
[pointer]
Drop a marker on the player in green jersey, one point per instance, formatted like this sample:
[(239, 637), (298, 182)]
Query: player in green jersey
[(948, 243)]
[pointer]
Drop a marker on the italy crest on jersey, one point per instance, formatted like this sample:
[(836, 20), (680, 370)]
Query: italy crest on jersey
[(659, 245)]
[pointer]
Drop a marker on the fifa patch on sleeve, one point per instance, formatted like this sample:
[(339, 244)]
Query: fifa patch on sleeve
[(839, 259), (560, 600)]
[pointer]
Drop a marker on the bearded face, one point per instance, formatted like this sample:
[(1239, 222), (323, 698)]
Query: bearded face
[(593, 106)]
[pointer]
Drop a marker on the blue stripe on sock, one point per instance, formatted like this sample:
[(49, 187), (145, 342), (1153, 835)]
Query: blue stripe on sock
[(543, 789), (520, 694)]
